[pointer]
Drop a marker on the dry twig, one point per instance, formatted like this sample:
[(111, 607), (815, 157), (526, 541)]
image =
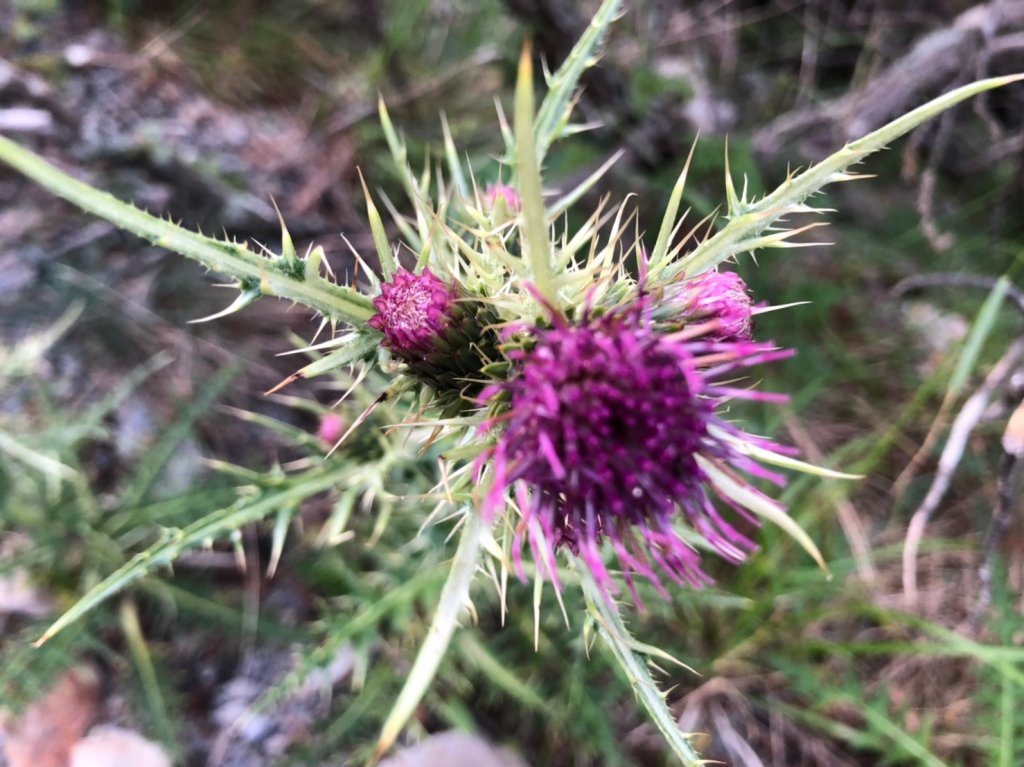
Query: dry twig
[(964, 424), (941, 279), (1009, 476), (974, 38)]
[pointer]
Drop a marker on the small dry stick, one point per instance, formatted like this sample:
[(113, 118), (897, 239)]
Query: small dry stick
[(955, 280), (941, 279), (964, 424), (1009, 475), (939, 240)]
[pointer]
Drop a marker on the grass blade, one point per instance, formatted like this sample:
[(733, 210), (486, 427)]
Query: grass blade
[(980, 331)]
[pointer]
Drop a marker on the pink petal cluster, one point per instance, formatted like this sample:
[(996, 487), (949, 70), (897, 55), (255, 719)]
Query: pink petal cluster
[(718, 296), (609, 426), (413, 311)]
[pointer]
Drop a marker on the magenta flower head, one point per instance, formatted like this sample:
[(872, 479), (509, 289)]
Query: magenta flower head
[(413, 310), (611, 433), (719, 296), (444, 339)]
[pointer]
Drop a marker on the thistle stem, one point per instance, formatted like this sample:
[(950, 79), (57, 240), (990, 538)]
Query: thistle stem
[(454, 595), (616, 636), (270, 276)]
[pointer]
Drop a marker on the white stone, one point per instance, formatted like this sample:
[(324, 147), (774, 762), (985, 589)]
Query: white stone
[(454, 749), (108, 746)]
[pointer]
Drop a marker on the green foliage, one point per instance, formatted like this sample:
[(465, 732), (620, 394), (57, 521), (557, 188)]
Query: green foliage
[(58, 530), (999, 725)]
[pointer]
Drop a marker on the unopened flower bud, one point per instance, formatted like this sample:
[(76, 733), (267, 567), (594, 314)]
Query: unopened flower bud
[(720, 296), (444, 339), (502, 201), (332, 426), (413, 311)]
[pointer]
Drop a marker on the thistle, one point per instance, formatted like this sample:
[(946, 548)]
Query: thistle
[(413, 312), (594, 425), (609, 434), (502, 201), (332, 426)]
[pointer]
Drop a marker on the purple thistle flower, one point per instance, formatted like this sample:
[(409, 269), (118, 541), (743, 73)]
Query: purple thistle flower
[(608, 428), (413, 311), (720, 296)]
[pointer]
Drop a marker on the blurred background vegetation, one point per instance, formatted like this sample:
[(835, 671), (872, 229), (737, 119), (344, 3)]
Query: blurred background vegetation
[(120, 422)]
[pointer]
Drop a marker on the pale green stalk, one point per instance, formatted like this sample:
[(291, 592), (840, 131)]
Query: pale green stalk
[(454, 596), (750, 223), (536, 240), (136, 640), (257, 275), (616, 636)]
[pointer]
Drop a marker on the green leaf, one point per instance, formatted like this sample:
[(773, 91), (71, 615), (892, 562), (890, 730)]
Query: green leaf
[(556, 109), (475, 653), (361, 344), (454, 166), (980, 331), (380, 237), (659, 255), (535, 228), (41, 462), (231, 258), (177, 542), (741, 233), (146, 669), (282, 522)]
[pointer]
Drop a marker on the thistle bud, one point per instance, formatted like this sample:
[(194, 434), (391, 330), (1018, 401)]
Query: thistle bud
[(720, 296), (502, 202), (443, 338), (413, 311), (332, 426)]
